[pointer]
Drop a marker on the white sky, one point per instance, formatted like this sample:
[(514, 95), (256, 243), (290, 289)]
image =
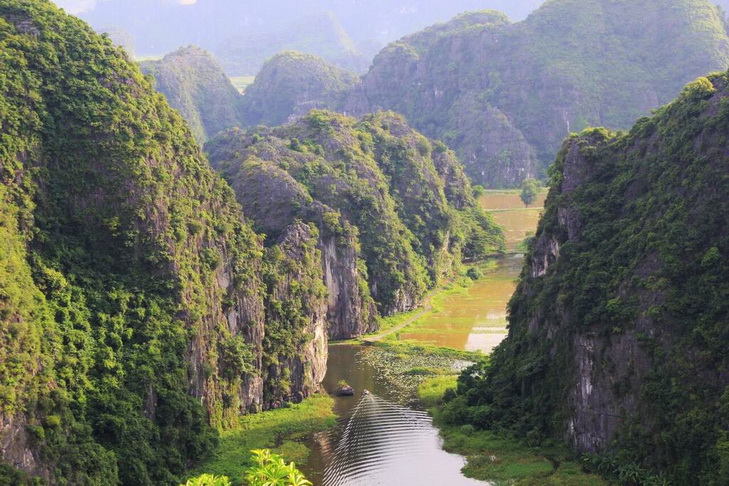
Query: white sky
[(80, 6)]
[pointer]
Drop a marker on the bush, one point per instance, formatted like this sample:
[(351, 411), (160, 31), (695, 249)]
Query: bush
[(474, 273)]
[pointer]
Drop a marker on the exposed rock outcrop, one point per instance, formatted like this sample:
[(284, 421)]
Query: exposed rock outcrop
[(504, 95), (376, 189), (296, 317)]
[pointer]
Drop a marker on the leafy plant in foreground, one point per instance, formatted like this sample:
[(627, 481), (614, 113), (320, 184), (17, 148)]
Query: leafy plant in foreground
[(208, 480), (272, 470)]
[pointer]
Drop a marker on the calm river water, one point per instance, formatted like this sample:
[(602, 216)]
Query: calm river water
[(383, 439)]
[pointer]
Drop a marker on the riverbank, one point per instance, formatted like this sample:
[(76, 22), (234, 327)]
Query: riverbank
[(285, 431), (457, 325), (499, 459), (418, 376), (434, 302)]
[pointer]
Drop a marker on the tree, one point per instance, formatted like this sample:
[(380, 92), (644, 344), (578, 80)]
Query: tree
[(529, 191)]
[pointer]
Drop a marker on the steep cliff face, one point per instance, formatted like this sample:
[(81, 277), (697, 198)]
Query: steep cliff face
[(290, 84), (361, 197), (505, 95), (274, 200), (196, 85), (132, 307), (618, 332), (296, 317), (372, 182)]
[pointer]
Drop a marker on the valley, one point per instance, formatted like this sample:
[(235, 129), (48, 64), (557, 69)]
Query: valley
[(495, 254)]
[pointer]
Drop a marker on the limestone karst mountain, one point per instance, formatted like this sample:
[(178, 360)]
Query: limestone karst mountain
[(618, 329)]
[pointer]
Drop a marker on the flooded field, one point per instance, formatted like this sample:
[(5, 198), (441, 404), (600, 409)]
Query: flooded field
[(475, 318)]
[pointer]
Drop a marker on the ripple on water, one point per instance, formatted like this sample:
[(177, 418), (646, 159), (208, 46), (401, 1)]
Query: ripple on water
[(383, 443)]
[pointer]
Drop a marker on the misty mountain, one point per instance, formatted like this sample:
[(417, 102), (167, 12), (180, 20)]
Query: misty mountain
[(161, 26)]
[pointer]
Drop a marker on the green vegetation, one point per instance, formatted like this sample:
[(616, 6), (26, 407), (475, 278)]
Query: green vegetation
[(519, 89), (428, 317), (134, 295), (272, 470), (195, 85), (375, 184), (529, 191), (618, 341), (208, 480), (495, 457), (283, 431), (292, 83)]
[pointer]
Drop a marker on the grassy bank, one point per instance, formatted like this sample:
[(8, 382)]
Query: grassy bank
[(283, 431), (498, 459)]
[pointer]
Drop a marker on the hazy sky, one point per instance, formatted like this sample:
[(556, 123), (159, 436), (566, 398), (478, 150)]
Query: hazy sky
[(78, 6)]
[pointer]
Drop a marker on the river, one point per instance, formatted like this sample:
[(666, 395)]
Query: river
[(384, 438)]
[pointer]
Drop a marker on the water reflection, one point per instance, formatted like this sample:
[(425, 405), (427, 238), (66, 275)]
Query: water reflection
[(388, 444), (474, 320), (380, 440), (383, 439)]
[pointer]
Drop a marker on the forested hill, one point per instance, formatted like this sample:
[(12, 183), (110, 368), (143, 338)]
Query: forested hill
[(133, 294), (194, 83), (374, 184), (505, 95), (290, 84), (140, 312), (618, 329)]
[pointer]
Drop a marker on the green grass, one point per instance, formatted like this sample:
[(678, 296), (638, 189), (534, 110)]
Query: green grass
[(431, 391), (414, 352), (499, 459), (283, 431)]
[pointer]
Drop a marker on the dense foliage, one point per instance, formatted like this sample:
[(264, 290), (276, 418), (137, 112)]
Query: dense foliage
[(504, 95), (195, 85), (529, 191), (376, 180), (208, 480), (619, 332), (132, 293)]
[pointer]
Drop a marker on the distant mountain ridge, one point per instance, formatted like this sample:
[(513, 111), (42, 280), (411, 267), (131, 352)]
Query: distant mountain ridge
[(504, 94), (230, 28)]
